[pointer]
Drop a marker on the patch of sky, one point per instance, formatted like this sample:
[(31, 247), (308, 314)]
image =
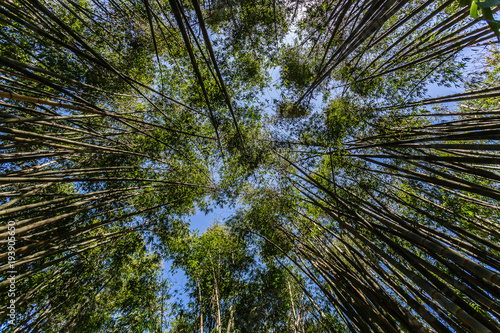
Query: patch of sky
[(202, 221)]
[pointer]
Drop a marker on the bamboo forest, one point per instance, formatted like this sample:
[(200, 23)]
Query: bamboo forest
[(221, 166)]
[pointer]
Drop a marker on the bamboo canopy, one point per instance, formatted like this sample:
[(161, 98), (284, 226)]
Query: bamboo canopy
[(119, 118)]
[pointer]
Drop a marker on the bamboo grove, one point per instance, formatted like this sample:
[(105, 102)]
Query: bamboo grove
[(356, 140)]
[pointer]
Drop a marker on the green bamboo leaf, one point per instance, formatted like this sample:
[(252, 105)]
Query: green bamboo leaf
[(473, 10), (488, 16)]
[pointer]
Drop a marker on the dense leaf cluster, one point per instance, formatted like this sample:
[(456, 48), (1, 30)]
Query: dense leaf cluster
[(356, 141)]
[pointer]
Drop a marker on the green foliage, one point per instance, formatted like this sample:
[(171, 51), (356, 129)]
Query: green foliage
[(359, 208), (485, 7), (290, 110), (344, 119), (361, 88), (296, 70)]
